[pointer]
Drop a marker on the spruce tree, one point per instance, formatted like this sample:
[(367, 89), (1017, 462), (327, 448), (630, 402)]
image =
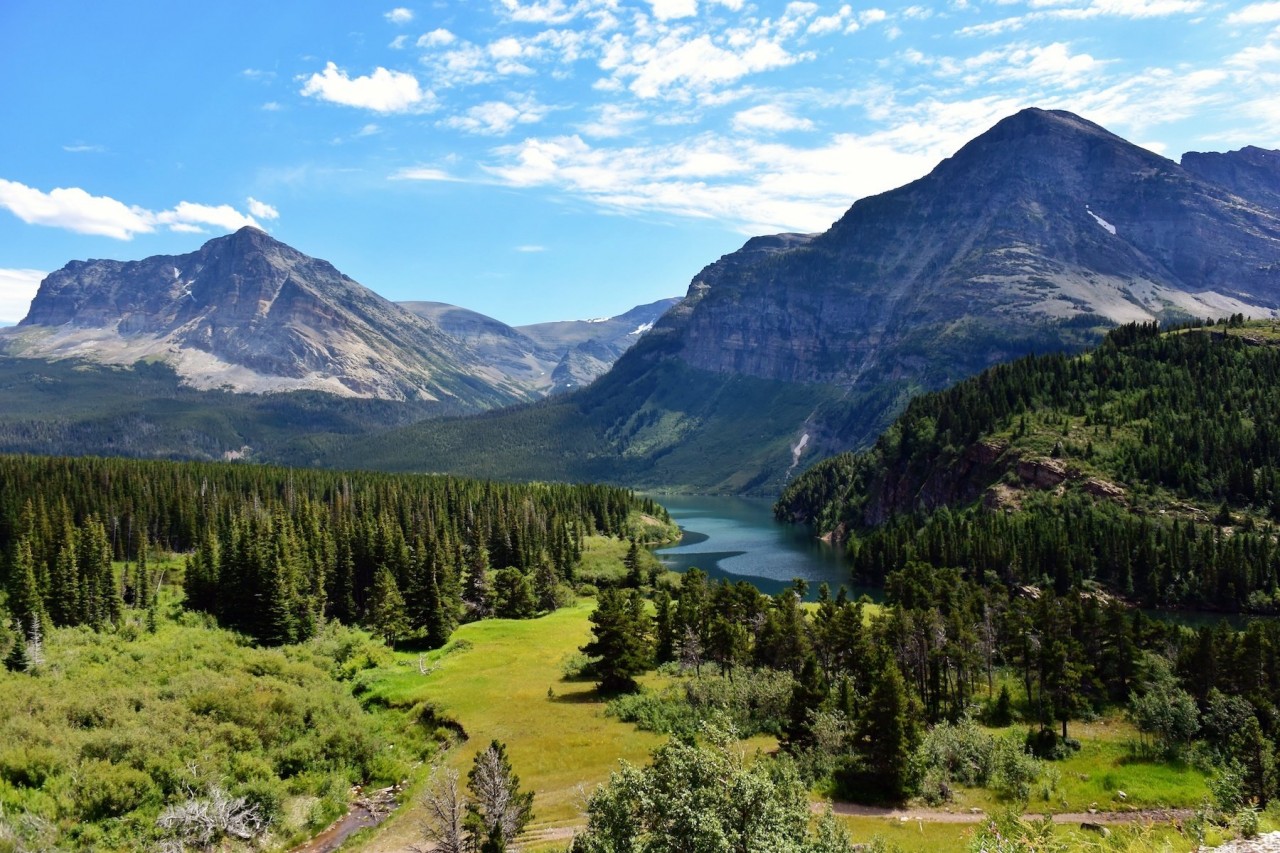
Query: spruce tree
[(622, 632)]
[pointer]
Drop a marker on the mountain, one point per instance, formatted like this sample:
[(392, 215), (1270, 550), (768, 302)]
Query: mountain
[(1251, 173), (548, 358), (1038, 235), (1151, 465), (248, 313)]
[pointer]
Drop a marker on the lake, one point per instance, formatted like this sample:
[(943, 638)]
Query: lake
[(738, 539)]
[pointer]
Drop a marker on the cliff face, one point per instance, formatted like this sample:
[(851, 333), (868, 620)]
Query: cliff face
[(1045, 218), (1251, 173), (248, 312)]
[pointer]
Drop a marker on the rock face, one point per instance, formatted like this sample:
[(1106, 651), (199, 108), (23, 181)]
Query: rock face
[(1046, 218), (1251, 173), (249, 313)]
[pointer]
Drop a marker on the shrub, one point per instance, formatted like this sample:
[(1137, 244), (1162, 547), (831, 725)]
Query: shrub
[(108, 790)]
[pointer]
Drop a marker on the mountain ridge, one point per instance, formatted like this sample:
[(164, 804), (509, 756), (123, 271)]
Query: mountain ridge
[(249, 313), (1038, 235)]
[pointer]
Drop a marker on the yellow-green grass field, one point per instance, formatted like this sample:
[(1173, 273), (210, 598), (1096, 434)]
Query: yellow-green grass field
[(503, 679)]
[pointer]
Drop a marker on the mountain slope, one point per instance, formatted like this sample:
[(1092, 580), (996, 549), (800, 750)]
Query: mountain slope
[(248, 313), (1251, 173), (546, 358), (1152, 464), (1038, 235)]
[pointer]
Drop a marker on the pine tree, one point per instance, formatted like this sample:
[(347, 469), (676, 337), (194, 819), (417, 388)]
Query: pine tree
[(890, 732), (499, 811), (386, 615), (621, 641)]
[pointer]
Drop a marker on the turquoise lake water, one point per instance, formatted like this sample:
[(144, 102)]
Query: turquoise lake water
[(738, 539)]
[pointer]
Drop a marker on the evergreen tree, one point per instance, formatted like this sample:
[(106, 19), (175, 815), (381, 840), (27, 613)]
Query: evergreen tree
[(889, 732), (386, 615), (621, 640)]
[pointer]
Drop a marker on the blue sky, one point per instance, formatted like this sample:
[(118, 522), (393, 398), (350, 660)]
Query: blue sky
[(558, 159)]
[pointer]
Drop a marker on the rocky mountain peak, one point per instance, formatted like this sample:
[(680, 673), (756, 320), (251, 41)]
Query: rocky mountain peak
[(249, 312)]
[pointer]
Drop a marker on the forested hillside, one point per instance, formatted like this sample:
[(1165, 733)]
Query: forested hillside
[(1150, 465)]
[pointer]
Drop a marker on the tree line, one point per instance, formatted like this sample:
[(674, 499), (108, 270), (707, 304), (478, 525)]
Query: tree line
[(274, 552)]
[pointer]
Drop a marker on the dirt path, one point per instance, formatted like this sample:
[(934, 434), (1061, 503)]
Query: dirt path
[(936, 816), (564, 833)]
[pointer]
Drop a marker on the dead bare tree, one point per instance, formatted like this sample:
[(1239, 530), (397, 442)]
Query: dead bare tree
[(444, 826), (204, 821)]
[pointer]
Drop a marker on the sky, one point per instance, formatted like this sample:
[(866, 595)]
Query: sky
[(541, 160)]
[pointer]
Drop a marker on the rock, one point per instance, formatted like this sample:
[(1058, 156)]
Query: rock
[(1042, 473), (1096, 827), (1102, 489), (1121, 796)]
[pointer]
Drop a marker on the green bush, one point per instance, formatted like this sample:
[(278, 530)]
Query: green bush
[(106, 790)]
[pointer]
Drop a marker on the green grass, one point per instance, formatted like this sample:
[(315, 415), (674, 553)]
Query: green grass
[(502, 679)]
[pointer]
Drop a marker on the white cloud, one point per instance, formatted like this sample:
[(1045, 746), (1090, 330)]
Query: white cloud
[(531, 249), (675, 64), (399, 15), (261, 209), (667, 10), (75, 210), (612, 120), (769, 118), (83, 148), (496, 118), (17, 289), (422, 173), (756, 186), (382, 91), (437, 38), (549, 12), (1256, 13)]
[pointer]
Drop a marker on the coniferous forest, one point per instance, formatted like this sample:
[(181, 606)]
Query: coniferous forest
[(275, 552)]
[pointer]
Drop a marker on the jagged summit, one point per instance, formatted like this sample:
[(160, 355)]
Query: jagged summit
[(250, 313)]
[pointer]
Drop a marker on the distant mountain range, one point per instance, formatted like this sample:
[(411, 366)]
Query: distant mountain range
[(547, 358), (1038, 235), (246, 316)]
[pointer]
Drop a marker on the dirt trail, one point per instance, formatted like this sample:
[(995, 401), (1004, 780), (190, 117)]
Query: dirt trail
[(564, 833)]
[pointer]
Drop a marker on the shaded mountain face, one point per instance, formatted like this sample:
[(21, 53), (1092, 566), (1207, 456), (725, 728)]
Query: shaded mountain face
[(546, 358), (1251, 173), (1038, 235), (248, 313), (1045, 218)]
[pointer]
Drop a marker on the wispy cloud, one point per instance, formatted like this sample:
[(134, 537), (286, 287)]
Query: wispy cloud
[(531, 249), (422, 173), (382, 91), (497, 118), (74, 209), (261, 209), (1256, 13), (83, 148)]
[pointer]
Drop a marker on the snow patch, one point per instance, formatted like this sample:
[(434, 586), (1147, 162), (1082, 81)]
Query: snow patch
[(1111, 229), (642, 328), (176, 274), (598, 320)]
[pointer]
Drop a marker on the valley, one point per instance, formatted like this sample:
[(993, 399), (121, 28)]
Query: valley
[(918, 492)]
